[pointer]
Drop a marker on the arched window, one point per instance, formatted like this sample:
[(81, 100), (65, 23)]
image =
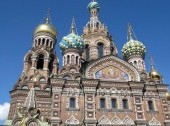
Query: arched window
[(97, 25), (102, 103), (114, 104), (43, 41), (50, 64), (76, 60), (40, 61), (135, 64), (125, 103), (68, 59), (39, 41), (150, 106), (51, 44), (100, 49), (47, 42), (87, 52), (72, 103)]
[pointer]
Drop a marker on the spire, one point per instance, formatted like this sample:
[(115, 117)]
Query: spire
[(131, 34), (30, 100), (73, 26), (151, 63), (48, 17)]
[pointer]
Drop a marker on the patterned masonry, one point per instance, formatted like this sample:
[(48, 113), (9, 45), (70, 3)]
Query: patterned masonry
[(94, 86)]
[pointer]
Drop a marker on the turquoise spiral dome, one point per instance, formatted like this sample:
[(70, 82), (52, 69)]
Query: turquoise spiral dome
[(93, 5), (133, 47), (72, 41)]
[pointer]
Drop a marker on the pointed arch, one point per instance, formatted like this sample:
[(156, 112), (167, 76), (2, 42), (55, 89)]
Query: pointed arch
[(154, 122), (104, 120), (128, 121), (116, 120), (72, 120)]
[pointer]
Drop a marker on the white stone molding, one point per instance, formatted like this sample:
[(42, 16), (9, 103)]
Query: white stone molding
[(72, 120), (116, 120), (104, 120), (154, 122), (128, 121)]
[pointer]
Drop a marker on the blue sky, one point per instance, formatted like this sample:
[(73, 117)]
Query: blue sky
[(149, 18)]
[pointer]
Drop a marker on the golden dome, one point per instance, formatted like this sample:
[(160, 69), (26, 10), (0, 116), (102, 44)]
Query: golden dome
[(155, 75), (168, 96), (48, 28)]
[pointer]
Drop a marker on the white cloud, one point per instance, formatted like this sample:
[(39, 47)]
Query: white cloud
[(4, 110)]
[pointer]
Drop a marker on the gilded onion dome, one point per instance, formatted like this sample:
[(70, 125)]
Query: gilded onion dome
[(168, 96), (72, 40), (154, 74), (46, 27), (93, 5), (133, 47)]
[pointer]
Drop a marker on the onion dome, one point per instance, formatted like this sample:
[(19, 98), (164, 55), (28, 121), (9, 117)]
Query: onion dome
[(168, 96), (133, 47), (154, 74), (46, 27), (72, 40), (93, 5)]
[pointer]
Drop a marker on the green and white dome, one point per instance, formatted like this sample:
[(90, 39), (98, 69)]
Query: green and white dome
[(93, 5), (72, 41), (133, 48)]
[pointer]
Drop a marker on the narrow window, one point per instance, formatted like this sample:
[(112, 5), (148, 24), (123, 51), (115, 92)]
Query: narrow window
[(102, 103), (68, 59), (100, 50), (125, 104), (135, 64), (43, 41), (76, 60), (87, 52), (39, 41), (72, 103), (40, 62), (47, 42), (150, 105), (113, 101)]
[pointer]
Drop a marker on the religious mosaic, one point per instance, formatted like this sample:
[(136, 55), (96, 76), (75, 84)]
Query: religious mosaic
[(112, 73)]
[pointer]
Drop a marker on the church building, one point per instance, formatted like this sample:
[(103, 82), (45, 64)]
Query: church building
[(93, 87)]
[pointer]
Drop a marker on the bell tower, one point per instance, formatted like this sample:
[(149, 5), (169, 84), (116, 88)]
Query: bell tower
[(40, 64), (98, 41), (41, 59)]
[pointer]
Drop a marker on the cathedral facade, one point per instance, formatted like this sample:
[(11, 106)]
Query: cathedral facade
[(94, 86)]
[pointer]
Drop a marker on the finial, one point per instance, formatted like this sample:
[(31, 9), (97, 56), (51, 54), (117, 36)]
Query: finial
[(73, 26), (131, 34), (151, 62), (48, 18)]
